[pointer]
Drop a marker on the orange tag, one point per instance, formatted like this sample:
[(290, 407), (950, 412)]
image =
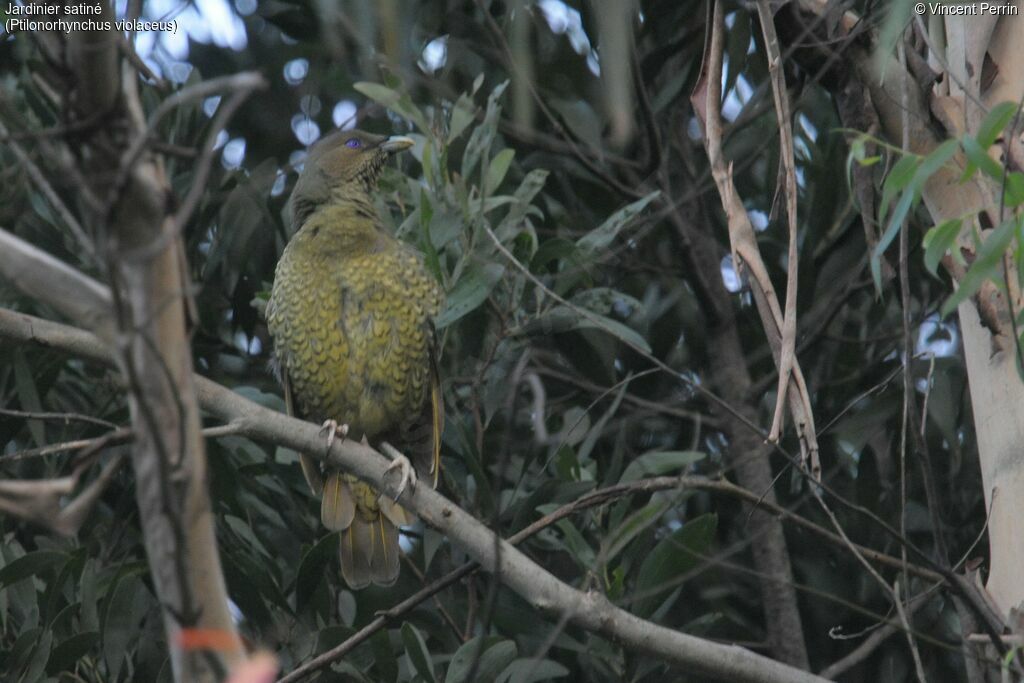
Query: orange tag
[(208, 639)]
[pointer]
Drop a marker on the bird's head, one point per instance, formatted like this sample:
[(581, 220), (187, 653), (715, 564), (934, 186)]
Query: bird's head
[(347, 160)]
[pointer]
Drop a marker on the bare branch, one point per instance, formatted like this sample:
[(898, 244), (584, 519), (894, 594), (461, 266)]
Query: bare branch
[(706, 99), (39, 501), (787, 353)]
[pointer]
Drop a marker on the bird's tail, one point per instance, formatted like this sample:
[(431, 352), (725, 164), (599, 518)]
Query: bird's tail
[(368, 523)]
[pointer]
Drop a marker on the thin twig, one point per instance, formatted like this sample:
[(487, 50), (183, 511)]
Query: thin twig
[(918, 666), (63, 417), (51, 195), (244, 82), (908, 391), (122, 435), (884, 631)]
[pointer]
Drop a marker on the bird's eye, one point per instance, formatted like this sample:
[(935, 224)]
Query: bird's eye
[(353, 143)]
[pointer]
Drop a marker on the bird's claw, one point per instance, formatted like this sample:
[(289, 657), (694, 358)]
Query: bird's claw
[(401, 463), (333, 430)]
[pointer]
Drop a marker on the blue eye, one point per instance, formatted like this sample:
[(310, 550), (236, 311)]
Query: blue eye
[(353, 143)]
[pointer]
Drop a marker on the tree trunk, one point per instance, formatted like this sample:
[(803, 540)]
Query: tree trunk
[(150, 302)]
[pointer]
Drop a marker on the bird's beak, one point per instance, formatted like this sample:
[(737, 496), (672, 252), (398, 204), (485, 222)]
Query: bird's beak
[(396, 143)]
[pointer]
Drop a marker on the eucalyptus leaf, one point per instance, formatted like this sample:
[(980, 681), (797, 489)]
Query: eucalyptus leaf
[(603, 235), (462, 115), (986, 263), (416, 650), (498, 168), (674, 555), (938, 240), (532, 670), (470, 291), (392, 99), (659, 463), (489, 664)]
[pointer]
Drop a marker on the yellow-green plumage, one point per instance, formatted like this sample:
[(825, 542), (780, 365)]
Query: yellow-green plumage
[(350, 313)]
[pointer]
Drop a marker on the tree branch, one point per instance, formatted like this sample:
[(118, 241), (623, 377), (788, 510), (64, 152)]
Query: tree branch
[(53, 282), (590, 610)]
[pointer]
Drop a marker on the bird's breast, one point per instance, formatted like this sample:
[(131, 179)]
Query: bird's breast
[(353, 335)]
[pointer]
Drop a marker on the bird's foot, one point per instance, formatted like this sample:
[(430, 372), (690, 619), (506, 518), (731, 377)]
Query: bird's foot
[(401, 463), (334, 430)]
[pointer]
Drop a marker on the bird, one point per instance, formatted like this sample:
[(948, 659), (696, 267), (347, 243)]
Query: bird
[(351, 316)]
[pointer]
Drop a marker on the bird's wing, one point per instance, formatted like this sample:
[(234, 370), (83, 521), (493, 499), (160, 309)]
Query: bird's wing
[(310, 466), (338, 508), (436, 411)]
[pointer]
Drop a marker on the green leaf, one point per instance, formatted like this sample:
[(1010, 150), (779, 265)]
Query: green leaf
[(416, 649), (986, 264), (88, 583), (483, 135), (430, 256), (576, 545), (938, 240), (598, 429), (581, 119), (658, 463), (463, 114), (935, 160), (19, 655), (623, 534), (495, 659), (994, 123), (28, 395), (531, 670), (427, 162), (396, 101), (470, 291), (672, 87), (65, 654), (1014, 195), (41, 655), (245, 534), (674, 555), (977, 157), (119, 626), (554, 249), (623, 333), (31, 564), (901, 181), (313, 568), (384, 660), (907, 199), (497, 655), (899, 177), (522, 205), (606, 301), (601, 236), (564, 318), (498, 168)]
